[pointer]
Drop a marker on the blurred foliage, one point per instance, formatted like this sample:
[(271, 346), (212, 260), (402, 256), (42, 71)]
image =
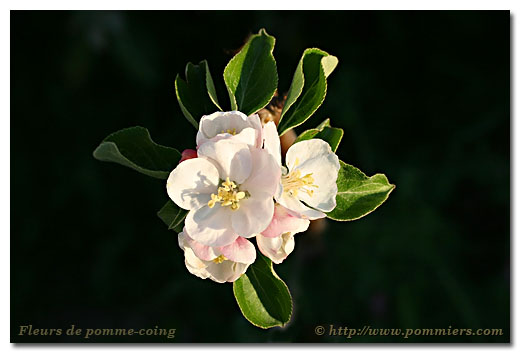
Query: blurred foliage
[(422, 96)]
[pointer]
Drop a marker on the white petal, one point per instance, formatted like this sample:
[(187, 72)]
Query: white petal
[(256, 124), (295, 205), (304, 150), (253, 216), (195, 265), (265, 175), (231, 158), (324, 169), (200, 139), (247, 136), (272, 142), (215, 126), (191, 183), (227, 271), (211, 226), (277, 249), (241, 250), (182, 240)]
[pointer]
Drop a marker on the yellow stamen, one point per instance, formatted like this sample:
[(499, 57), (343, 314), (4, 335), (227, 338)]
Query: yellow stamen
[(229, 131), (294, 182), (220, 259), (228, 195)]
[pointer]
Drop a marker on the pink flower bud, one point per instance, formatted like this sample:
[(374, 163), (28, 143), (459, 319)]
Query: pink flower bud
[(188, 154)]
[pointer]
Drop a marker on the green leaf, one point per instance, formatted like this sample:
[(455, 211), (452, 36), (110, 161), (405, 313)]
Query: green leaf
[(358, 194), (250, 76), (134, 148), (197, 95), (308, 88), (262, 296), (173, 216), (324, 131)]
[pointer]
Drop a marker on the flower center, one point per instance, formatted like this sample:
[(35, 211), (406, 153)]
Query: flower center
[(220, 259), (294, 182), (232, 131), (228, 194)]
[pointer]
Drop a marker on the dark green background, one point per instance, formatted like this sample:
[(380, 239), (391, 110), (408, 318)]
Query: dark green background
[(422, 96)]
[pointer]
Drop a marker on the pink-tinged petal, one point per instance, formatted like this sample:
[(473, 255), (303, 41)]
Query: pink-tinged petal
[(203, 252), (231, 158), (192, 182), (188, 154), (265, 174), (272, 142), (253, 216), (194, 254), (241, 250), (284, 221), (210, 226)]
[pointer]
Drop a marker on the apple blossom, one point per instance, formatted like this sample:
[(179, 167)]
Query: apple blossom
[(220, 264), (277, 240), (233, 124), (228, 190), (310, 175)]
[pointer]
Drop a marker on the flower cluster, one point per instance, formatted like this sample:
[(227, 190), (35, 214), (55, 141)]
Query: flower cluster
[(236, 188)]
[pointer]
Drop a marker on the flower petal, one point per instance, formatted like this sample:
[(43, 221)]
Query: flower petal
[(295, 205), (218, 122), (256, 124), (241, 250), (285, 222), (265, 175), (231, 158), (203, 252), (253, 216), (277, 249), (245, 136), (191, 183), (272, 142), (216, 126), (324, 169), (305, 150), (227, 271), (194, 265), (210, 226)]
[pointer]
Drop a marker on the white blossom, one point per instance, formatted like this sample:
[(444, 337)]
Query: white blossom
[(228, 190), (233, 124), (220, 264), (308, 183)]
